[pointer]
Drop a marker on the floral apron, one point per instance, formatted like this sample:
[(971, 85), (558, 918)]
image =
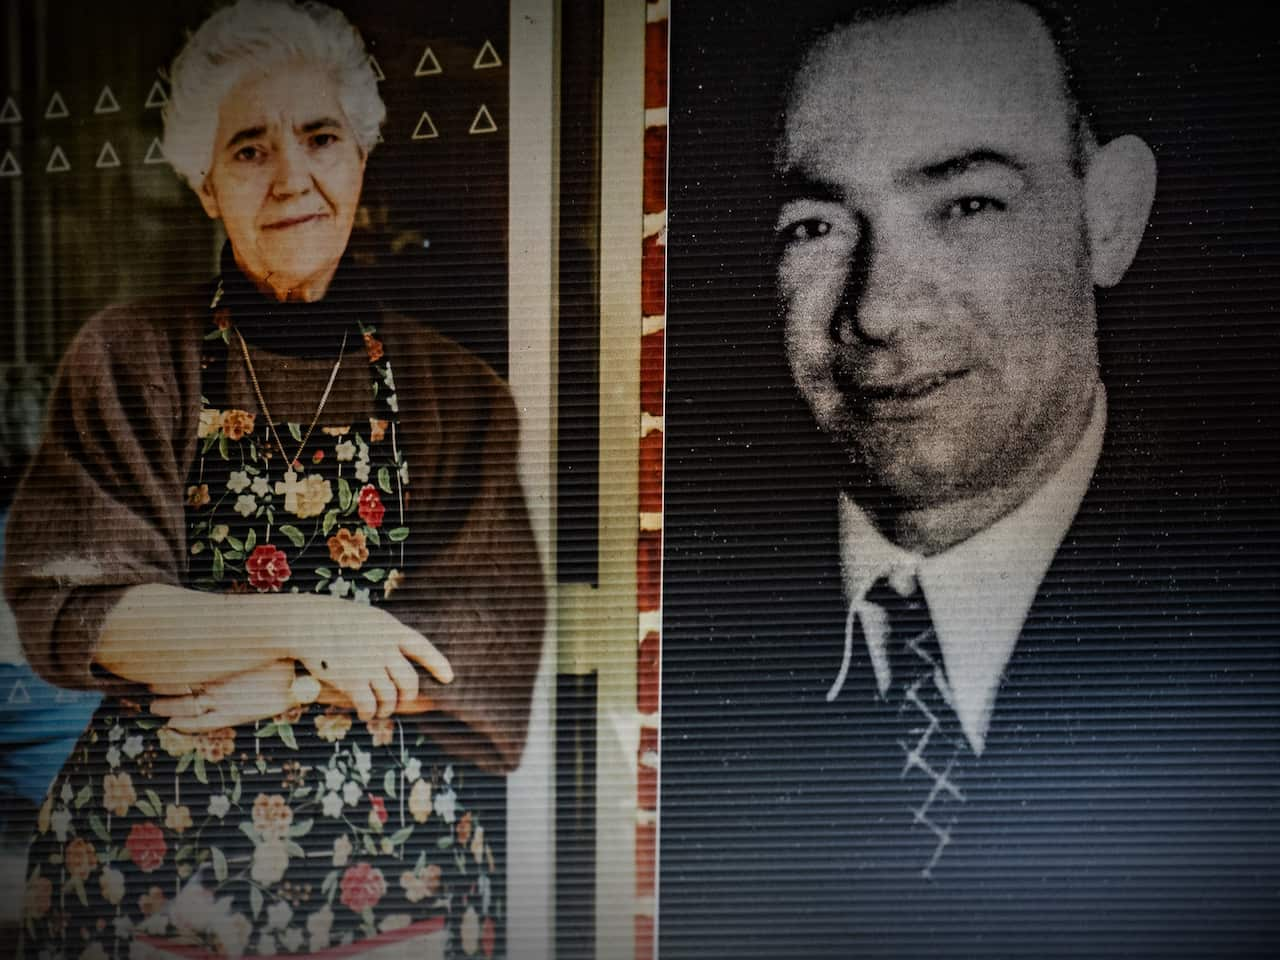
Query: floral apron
[(311, 833)]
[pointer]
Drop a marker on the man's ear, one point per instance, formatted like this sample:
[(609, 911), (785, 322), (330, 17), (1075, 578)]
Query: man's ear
[(208, 200), (1118, 189)]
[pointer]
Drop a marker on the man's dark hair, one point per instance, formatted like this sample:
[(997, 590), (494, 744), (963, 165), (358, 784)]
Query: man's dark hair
[(1059, 22)]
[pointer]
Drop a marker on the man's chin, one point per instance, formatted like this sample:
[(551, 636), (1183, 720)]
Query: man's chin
[(909, 474)]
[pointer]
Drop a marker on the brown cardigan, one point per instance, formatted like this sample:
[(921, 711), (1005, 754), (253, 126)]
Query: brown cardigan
[(101, 508)]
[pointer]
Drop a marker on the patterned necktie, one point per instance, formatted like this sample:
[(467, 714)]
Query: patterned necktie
[(934, 747)]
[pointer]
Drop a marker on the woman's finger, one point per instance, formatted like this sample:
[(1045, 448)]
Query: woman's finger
[(204, 724), (384, 688), (419, 706), (333, 697), (214, 720), (363, 699), (405, 676), (190, 705), (422, 650)]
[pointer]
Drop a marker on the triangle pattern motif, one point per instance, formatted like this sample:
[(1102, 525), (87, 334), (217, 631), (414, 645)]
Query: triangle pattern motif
[(425, 130), (19, 693), (487, 58), (154, 153), (377, 69), (107, 102), (483, 122), (107, 156), (156, 97), (9, 165), (58, 162), (57, 108), (428, 65), (9, 112)]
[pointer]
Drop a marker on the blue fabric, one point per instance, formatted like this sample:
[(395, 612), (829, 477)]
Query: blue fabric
[(39, 724)]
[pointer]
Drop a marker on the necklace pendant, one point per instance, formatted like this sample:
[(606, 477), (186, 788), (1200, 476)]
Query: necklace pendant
[(289, 487)]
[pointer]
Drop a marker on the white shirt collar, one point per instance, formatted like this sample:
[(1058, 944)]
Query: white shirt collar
[(979, 591)]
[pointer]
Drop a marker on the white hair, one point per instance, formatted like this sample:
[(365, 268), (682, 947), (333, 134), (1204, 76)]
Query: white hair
[(261, 34)]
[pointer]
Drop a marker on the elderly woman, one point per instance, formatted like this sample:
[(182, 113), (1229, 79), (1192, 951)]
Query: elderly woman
[(282, 531)]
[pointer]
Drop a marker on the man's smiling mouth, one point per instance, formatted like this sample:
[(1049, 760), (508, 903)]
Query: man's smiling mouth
[(902, 397), (909, 388)]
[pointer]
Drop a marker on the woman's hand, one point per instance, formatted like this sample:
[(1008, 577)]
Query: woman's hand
[(363, 657), (243, 698), (370, 658)]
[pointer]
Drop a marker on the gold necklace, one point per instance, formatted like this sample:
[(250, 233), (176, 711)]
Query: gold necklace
[(253, 378)]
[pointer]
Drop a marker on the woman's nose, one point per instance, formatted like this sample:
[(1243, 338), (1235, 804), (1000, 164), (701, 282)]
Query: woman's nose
[(292, 173)]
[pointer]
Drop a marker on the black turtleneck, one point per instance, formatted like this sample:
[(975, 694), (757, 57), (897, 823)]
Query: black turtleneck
[(296, 328)]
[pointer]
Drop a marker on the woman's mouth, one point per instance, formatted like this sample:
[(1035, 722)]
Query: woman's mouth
[(288, 222)]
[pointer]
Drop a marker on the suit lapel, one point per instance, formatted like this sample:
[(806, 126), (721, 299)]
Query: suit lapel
[(1107, 586)]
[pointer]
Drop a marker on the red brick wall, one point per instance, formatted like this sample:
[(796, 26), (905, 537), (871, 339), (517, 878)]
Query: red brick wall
[(649, 553)]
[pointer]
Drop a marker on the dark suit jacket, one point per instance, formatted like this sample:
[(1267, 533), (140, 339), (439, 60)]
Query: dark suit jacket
[(1127, 802)]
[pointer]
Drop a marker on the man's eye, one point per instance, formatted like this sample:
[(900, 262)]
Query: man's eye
[(964, 207), (248, 154), (809, 229), (323, 139)]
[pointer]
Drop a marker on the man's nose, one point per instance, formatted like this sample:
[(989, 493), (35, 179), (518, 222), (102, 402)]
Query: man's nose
[(890, 291), (292, 172)]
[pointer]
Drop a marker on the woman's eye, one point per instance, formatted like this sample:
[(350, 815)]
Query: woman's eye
[(324, 139), (809, 229), (964, 207), (248, 154)]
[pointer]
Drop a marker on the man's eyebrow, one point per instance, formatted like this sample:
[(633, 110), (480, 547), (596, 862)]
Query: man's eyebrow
[(962, 163), (248, 133), (795, 184)]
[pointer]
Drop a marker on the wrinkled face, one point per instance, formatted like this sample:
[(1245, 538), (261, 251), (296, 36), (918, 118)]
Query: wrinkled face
[(933, 268), (286, 177)]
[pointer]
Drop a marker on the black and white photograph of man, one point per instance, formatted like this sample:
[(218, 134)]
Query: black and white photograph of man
[(971, 638)]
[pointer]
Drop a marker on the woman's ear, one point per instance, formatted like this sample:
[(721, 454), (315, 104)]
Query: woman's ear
[(208, 200), (1119, 187)]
